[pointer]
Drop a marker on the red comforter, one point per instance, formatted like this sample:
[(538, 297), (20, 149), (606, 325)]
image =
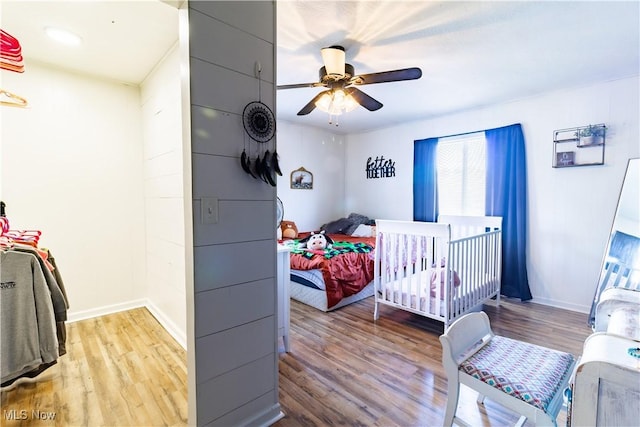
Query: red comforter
[(345, 274)]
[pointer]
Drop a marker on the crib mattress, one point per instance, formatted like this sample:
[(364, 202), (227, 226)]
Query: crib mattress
[(414, 292)]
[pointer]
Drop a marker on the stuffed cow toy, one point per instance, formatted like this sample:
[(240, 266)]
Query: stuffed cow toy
[(316, 241)]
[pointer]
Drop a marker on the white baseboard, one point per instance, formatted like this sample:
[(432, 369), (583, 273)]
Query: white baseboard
[(164, 320), (571, 307), (168, 324), (74, 316)]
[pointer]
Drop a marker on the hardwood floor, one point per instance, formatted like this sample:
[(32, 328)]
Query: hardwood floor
[(344, 369), (124, 369)]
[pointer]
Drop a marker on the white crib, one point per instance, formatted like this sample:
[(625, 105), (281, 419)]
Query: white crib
[(439, 270)]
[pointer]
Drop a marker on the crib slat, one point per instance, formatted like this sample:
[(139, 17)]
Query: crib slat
[(419, 269)]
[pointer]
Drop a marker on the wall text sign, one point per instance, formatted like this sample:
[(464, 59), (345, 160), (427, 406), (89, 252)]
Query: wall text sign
[(380, 168)]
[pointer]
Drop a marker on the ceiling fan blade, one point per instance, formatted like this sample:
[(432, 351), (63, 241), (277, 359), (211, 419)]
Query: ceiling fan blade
[(312, 104), (387, 76), (363, 99), (299, 85)]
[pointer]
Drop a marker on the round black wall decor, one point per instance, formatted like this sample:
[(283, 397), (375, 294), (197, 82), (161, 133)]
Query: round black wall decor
[(259, 121)]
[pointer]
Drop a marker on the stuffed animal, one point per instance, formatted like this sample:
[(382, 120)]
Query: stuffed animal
[(453, 276), (289, 229), (316, 241)]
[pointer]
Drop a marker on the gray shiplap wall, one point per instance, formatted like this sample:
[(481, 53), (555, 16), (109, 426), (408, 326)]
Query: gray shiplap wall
[(236, 378)]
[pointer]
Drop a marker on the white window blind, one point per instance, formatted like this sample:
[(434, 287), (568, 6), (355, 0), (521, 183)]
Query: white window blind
[(461, 165)]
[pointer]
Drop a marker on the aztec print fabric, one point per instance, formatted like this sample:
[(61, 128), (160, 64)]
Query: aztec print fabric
[(336, 249), (526, 371)]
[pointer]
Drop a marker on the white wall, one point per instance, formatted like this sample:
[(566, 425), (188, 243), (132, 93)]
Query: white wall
[(163, 190), (71, 167), (570, 209), (381, 198), (321, 153), (104, 184)]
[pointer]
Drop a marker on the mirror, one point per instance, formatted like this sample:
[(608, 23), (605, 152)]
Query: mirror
[(621, 263)]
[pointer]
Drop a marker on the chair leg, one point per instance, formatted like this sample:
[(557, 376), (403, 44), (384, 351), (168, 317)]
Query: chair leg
[(453, 393), (480, 398)]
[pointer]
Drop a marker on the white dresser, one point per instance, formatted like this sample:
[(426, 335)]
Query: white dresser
[(606, 384), (284, 274)]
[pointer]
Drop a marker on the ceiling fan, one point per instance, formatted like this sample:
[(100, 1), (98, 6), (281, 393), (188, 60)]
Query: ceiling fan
[(340, 79)]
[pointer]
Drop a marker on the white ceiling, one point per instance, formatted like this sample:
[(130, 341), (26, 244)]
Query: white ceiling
[(471, 53), (122, 40)]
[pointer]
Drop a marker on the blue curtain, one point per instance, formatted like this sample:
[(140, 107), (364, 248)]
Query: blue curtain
[(425, 188), (506, 196)]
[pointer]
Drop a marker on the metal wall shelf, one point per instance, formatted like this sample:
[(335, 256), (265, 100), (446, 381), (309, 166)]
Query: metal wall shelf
[(589, 148)]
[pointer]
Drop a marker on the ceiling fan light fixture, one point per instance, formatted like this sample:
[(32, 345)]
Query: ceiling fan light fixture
[(330, 104), (334, 60), (324, 102), (343, 102), (336, 102), (350, 103)]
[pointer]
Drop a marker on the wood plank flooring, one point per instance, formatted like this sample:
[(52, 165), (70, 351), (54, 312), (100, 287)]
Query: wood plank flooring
[(124, 369), (344, 369)]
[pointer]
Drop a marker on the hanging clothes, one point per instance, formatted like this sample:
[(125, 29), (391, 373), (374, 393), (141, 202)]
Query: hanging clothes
[(58, 297), (33, 305), (60, 324), (27, 318)]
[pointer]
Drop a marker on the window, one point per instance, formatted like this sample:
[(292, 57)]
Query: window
[(461, 164), (450, 179)]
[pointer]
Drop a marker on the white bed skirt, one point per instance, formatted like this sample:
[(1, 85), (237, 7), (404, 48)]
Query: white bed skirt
[(318, 298)]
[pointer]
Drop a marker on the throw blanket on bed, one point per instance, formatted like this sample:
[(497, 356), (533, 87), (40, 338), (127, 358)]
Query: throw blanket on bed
[(347, 269), (337, 248)]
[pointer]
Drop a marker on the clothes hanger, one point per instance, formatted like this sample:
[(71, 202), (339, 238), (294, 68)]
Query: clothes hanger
[(12, 100)]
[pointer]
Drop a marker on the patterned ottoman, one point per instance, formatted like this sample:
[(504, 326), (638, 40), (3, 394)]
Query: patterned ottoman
[(526, 371)]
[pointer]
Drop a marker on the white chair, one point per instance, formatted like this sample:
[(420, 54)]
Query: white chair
[(523, 377)]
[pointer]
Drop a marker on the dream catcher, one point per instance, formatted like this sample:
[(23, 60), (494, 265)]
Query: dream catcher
[(260, 125)]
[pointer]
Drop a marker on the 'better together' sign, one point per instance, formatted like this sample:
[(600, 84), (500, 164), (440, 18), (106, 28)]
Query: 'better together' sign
[(380, 168)]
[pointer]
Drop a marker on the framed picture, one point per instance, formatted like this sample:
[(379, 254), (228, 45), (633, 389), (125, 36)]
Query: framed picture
[(566, 158), (301, 179)]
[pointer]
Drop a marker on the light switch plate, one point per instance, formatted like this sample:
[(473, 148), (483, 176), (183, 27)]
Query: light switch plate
[(209, 210)]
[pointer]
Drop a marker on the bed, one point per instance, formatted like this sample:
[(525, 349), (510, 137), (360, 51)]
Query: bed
[(341, 277), (438, 270)]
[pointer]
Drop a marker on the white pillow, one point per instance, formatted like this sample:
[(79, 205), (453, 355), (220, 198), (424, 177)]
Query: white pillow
[(363, 231)]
